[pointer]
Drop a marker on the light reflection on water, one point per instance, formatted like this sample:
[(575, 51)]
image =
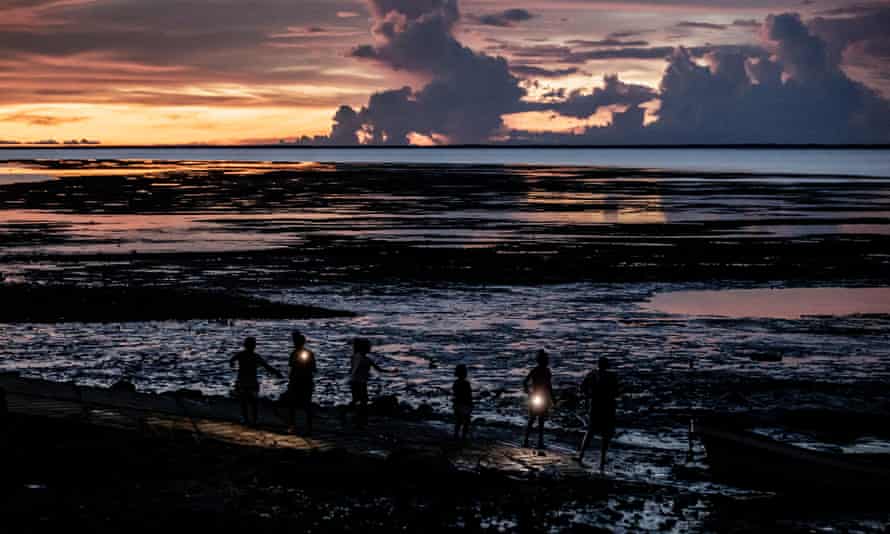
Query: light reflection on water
[(573, 209)]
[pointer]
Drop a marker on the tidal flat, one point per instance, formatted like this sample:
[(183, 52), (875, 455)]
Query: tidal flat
[(482, 265)]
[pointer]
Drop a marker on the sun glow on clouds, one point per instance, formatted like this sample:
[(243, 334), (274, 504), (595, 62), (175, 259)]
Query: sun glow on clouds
[(167, 71), (546, 121)]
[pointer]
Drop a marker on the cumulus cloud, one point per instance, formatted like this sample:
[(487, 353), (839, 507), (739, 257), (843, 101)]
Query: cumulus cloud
[(804, 55), (860, 37), (789, 89), (797, 95), (467, 94), (580, 104)]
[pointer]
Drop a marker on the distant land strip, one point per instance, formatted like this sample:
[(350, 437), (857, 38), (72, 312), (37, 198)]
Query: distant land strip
[(294, 146)]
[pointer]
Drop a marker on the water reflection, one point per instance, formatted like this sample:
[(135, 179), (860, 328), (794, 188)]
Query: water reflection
[(218, 206), (786, 303), (592, 208)]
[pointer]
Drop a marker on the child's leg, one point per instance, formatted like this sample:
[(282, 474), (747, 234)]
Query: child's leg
[(459, 417), (528, 429), (585, 443), (604, 448), (243, 400), (541, 432), (363, 404)]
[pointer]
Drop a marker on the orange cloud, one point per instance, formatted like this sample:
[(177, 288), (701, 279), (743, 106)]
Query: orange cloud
[(37, 119)]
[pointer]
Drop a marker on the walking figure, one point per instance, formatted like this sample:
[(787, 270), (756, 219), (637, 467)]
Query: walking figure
[(247, 385), (358, 379), (301, 383), (463, 402), (539, 388), (601, 389)]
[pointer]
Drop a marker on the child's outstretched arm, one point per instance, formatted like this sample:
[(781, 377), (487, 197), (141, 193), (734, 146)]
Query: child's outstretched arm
[(381, 369), (273, 371)]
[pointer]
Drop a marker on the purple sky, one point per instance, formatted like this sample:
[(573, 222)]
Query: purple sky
[(445, 71)]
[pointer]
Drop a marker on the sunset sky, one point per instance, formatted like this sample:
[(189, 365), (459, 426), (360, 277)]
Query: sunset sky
[(443, 71)]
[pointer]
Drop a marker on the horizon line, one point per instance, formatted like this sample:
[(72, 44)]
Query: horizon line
[(290, 146)]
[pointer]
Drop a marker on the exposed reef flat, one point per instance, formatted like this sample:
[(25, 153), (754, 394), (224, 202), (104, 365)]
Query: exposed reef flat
[(274, 224), (65, 303)]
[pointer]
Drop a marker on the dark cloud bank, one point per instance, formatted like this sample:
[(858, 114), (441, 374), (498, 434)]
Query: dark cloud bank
[(791, 91)]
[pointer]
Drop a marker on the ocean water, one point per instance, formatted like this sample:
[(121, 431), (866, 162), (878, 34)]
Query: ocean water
[(838, 162)]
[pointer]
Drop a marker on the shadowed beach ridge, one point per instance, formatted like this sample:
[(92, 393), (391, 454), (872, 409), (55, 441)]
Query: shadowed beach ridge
[(65, 303)]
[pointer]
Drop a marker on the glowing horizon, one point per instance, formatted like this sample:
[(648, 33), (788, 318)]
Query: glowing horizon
[(129, 73)]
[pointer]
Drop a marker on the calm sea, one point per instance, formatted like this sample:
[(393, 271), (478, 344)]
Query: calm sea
[(847, 162)]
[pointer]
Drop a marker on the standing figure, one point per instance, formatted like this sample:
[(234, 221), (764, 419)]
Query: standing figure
[(247, 385), (358, 379), (601, 389), (301, 383), (539, 388), (463, 402)]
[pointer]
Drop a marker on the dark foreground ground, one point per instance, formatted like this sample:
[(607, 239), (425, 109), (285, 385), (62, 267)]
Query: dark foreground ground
[(84, 466), (66, 476)]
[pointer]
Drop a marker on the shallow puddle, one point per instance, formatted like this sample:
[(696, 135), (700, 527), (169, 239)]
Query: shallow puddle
[(783, 303)]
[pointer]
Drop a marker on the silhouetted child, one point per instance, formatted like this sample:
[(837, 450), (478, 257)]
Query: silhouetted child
[(247, 385), (358, 378), (538, 385), (463, 402), (301, 383), (601, 389)]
